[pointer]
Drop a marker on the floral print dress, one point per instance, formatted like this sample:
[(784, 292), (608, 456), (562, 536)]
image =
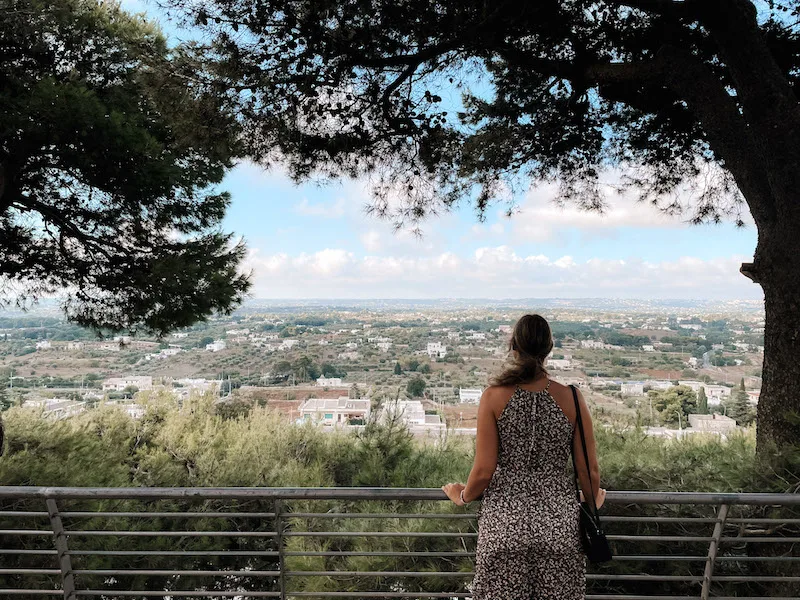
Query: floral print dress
[(528, 540)]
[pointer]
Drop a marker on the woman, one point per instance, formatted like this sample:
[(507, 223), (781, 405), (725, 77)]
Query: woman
[(528, 544)]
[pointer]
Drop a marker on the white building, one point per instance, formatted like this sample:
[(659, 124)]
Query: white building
[(632, 388), (44, 345), (412, 414), (594, 344), (713, 423), (753, 396), (329, 382), (648, 348), (436, 350), (561, 364), (287, 344), (180, 335), (75, 345), (184, 388), (384, 346), (329, 411), (453, 335), (216, 346), (659, 384), (695, 385), (349, 355), (56, 408), (134, 411), (716, 393), (118, 384), (351, 345), (469, 394), (108, 346), (476, 335), (237, 332)]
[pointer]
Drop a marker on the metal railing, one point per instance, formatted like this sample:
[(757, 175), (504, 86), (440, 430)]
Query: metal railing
[(306, 542)]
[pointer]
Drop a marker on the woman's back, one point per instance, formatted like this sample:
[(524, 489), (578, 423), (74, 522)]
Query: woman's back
[(535, 434), (528, 518)]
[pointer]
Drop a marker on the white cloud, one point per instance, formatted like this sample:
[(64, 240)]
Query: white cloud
[(330, 210), (541, 220), (371, 240), (494, 272)]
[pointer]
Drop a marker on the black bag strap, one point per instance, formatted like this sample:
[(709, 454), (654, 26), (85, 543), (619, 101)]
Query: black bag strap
[(579, 427)]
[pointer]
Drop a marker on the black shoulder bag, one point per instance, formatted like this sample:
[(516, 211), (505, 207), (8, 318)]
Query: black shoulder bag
[(593, 538)]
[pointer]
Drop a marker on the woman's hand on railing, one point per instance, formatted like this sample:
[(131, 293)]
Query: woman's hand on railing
[(601, 497), (453, 491)]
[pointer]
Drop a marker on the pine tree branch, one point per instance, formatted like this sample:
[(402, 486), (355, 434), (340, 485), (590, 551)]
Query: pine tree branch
[(661, 7)]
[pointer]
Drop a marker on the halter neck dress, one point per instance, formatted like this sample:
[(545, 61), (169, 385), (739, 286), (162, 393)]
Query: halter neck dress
[(528, 538)]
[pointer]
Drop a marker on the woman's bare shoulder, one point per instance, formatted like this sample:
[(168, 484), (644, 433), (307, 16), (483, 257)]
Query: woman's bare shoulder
[(558, 389), (498, 390)]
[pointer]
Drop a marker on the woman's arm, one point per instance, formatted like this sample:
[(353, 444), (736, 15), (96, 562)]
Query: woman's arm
[(580, 461), (486, 449)]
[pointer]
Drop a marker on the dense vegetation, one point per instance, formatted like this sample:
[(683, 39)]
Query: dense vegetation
[(198, 445)]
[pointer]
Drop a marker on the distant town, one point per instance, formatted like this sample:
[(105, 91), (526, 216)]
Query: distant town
[(670, 370)]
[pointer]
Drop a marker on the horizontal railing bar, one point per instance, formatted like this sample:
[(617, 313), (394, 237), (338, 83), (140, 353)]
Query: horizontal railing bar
[(166, 572), (355, 515), (378, 534), (264, 534), (177, 593), (609, 519), (30, 571), (364, 594), (23, 513), (758, 521), (613, 577), (752, 597), (25, 532), (269, 515), (373, 493), (619, 519), (659, 558), (42, 552), (592, 576), (763, 578), (361, 594), (634, 597), (378, 574), (18, 592), (177, 514), (759, 559), (377, 553), (780, 540), (659, 538), (172, 552), (634, 557)]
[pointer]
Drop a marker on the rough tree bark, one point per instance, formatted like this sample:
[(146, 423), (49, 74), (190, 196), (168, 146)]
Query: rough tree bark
[(778, 273), (772, 113)]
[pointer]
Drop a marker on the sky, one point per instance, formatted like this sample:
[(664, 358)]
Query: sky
[(307, 241)]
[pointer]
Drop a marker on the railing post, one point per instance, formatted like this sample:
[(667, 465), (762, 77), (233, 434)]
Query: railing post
[(64, 561), (722, 515), (279, 530)]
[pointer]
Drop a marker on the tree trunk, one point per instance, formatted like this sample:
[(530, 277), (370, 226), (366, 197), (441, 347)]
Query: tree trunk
[(778, 272)]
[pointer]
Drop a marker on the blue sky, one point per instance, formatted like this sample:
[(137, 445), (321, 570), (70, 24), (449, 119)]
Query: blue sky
[(315, 242)]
